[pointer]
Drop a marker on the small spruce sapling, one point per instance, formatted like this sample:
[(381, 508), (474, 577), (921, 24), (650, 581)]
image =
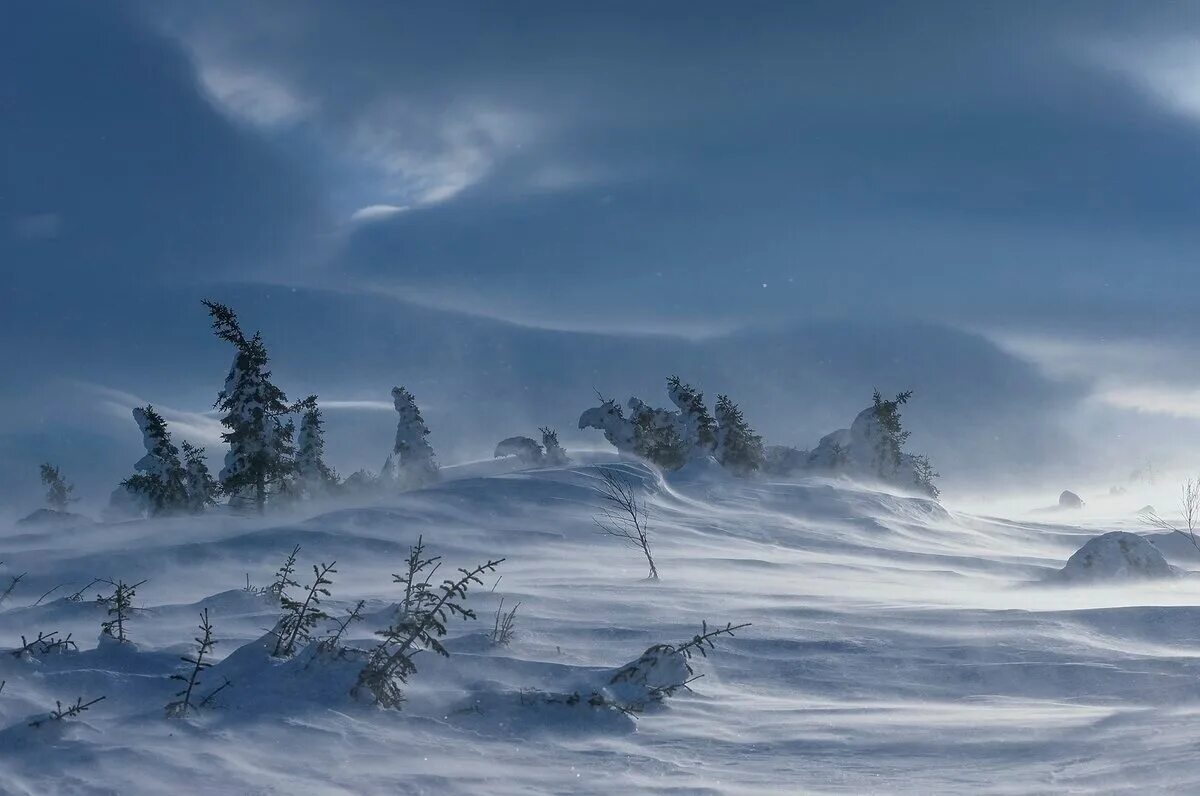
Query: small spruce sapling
[(205, 642), (390, 664), (62, 712), (58, 491), (120, 607), (505, 626), (299, 618)]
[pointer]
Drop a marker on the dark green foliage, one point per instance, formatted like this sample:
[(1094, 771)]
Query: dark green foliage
[(691, 402), (120, 607), (205, 643), (299, 617), (202, 488), (657, 439), (740, 450), (259, 435), (313, 475), (924, 475), (887, 413), (162, 481), (58, 491), (390, 664)]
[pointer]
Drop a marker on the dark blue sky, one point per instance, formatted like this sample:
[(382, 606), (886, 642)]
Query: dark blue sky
[(972, 194)]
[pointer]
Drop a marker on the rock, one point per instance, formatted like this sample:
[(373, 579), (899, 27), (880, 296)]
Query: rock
[(1116, 556), (1069, 500), (45, 517)]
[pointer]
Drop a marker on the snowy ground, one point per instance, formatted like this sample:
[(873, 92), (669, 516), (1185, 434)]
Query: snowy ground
[(896, 647)]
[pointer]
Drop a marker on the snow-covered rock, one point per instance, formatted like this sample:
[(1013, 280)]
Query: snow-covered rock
[(1116, 556), (1069, 500)]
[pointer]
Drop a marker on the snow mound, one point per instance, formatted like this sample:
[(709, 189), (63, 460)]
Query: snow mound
[(700, 469), (1069, 500), (1118, 555)]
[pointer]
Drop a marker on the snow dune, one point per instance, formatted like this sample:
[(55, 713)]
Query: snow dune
[(896, 646)]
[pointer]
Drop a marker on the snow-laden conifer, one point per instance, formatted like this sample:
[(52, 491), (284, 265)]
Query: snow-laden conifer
[(313, 475), (738, 448), (700, 429), (417, 464), (555, 455), (202, 488), (160, 483), (259, 460)]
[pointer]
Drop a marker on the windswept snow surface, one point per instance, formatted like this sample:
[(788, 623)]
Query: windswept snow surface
[(896, 647)]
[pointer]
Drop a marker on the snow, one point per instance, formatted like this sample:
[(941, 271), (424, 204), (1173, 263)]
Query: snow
[(1116, 556), (895, 646)]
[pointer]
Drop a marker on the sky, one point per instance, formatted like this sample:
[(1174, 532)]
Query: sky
[(509, 206)]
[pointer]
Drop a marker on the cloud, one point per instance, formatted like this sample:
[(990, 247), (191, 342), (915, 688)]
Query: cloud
[(425, 157), (196, 427), (371, 406), (376, 212), (253, 96), (1166, 69)]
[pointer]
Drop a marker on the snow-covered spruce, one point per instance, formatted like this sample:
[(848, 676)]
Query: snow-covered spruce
[(738, 448), (873, 448), (259, 462), (160, 485), (58, 491), (202, 488), (699, 427), (416, 465), (314, 478), (1116, 556), (527, 451), (556, 456)]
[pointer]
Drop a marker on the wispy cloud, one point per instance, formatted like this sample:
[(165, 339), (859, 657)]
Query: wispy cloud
[(365, 405), (196, 427), (1167, 70), (376, 212), (252, 95)]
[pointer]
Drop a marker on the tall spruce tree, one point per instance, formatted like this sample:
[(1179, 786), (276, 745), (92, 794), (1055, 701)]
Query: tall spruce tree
[(739, 449), (202, 488), (160, 483), (259, 461), (313, 475), (418, 466)]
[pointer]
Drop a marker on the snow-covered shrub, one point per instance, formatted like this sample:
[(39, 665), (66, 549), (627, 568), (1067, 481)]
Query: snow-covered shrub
[(610, 419), (419, 623), (58, 491), (417, 465), (259, 461), (527, 451), (556, 456), (661, 670), (160, 484), (738, 448)]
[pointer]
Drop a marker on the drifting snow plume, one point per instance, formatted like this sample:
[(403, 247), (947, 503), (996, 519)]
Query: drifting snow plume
[(1118, 555), (417, 467)]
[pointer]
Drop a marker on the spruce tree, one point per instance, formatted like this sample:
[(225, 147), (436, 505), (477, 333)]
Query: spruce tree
[(160, 483), (202, 488), (739, 449), (700, 426), (418, 466), (888, 442), (556, 456), (58, 491), (259, 434), (313, 475)]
